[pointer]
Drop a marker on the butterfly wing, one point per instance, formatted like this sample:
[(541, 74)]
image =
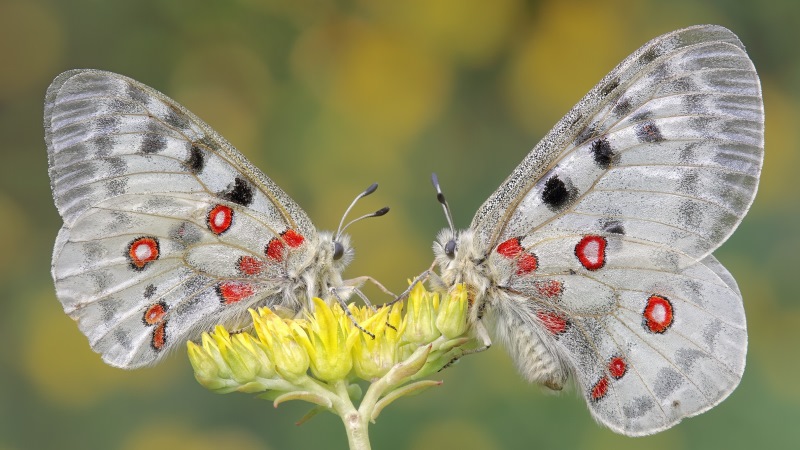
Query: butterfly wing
[(668, 146), (601, 238), (651, 337), (167, 228)]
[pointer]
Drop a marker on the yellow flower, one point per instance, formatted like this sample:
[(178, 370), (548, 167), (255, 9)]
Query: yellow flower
[(421, 316), (289, 358), (452, 318), (374, 356), (328, 340), (392, 349)]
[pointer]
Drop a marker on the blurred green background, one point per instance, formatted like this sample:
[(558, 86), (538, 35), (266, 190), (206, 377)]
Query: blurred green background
[(327, 97)]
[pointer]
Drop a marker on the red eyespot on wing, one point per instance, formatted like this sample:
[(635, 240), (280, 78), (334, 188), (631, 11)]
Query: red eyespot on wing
[(510, 248), (155, 313), (274, 249), (548, 288), (233, 291), (527, 263), (617, 367), (219, 219), (554, 323), (292, 238), (276, 246), (658, 314), (600, 389), (159, 339), (591, 252), (250, 266), (142, 251)]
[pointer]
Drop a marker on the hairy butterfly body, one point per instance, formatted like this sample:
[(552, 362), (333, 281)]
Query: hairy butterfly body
[(593, 259), (168, 230)]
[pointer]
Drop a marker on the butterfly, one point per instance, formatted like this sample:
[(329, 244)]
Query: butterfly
[(168, 230), (592, 260)]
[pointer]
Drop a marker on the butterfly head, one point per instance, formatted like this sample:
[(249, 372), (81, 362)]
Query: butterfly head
[(334, 250), (453, 249)]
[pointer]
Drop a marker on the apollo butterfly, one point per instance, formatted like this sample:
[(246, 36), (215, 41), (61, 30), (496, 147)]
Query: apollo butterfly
[(593, 259), (169, 230)]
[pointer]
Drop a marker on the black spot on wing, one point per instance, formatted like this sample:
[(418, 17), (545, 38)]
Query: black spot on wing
[(116, 166), (153, 143), (137, 94), (555, 194), (689, 183), (103, 145), (622, 107), (176, 119), (196, 160), (602, 152), (106, 124), (586, 134), (649, 132), (116, 186), (637, 407), (667, 381), (149, 291), (609, 88), (209, 143), (186, 234), (690, 214), (650, 55), (613, 226), (238, 192), (642, 115)]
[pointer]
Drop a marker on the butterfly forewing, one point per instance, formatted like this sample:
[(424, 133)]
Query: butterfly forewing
[(667, 147), (593, 256), (168, 229)]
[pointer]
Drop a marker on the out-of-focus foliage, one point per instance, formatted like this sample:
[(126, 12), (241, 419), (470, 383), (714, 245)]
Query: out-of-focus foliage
[(326, 97)]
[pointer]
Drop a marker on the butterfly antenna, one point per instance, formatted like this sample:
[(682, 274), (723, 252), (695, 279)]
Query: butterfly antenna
[(378, 213), (443, 201)]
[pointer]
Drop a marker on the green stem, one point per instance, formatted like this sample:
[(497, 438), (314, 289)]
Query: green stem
[(356, 427), (355, 423)]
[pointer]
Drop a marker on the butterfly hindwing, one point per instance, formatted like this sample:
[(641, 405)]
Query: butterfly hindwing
[(167, 228), (649, 340)]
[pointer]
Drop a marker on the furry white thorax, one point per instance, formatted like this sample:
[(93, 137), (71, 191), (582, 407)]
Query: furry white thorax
[(506, 314)]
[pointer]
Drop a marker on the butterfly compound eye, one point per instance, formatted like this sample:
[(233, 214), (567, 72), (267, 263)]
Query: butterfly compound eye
[(450, 249), (338, 251)]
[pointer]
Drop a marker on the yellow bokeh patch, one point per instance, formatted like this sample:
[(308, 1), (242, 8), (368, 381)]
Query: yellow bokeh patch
[(460, 434), (63, 368), (169, 435), (376, 78), (30, 44), (781, 157), (472, 32)]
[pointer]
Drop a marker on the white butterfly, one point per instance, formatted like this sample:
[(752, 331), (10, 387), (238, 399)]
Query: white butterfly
[(169, 230), (593, 259)]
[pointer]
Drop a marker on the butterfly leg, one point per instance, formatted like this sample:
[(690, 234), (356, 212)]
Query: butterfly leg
[(419, 279), (365, 299), (482, 335), (358, 281), (334, 293)]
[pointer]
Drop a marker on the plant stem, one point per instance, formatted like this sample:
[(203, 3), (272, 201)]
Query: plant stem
[(357, 433), (355, 424)]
